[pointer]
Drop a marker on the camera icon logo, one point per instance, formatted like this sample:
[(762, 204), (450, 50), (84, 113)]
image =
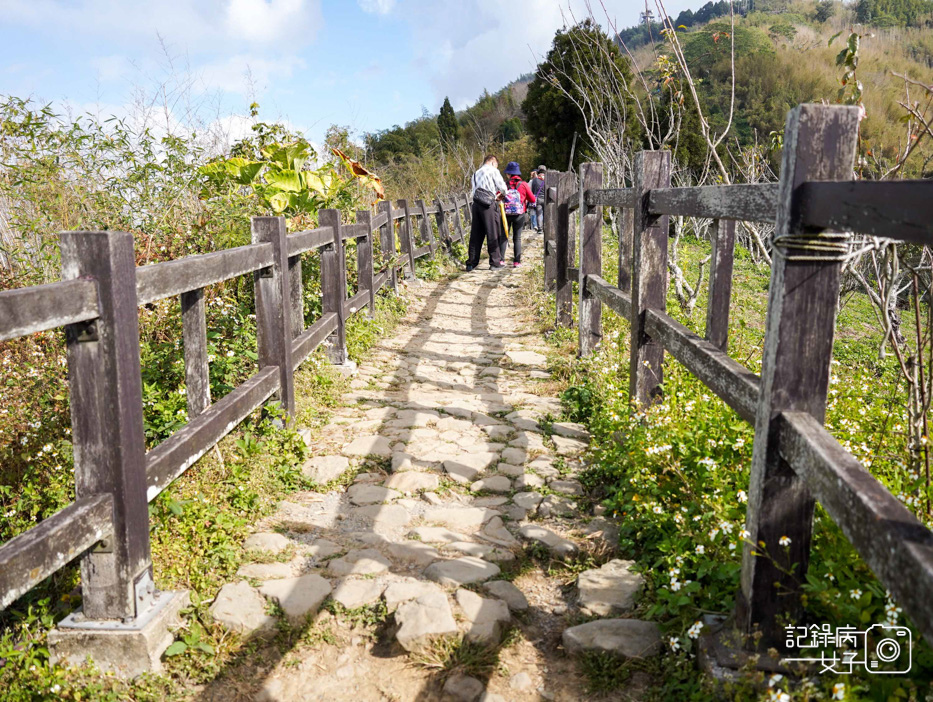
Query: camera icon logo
[(888, 649)]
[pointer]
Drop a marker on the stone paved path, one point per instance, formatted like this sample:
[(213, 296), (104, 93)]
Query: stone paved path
[(451, 479)]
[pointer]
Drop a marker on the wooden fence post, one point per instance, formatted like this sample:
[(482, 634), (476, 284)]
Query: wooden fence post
[(107, 423), (468, 207), (387, 243), (443, 229), (550, 230), (820, 143), (720, 283), (274, 308), (334, 286), (426, 232), (626, 242), (408, 243), (458, 222), (589, 311), (197, 370), (563, 251), (364, 260), (649, 275), (296, 296)]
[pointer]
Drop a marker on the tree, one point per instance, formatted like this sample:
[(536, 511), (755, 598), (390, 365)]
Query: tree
[(824, 10), (447, 124), (563, 100)]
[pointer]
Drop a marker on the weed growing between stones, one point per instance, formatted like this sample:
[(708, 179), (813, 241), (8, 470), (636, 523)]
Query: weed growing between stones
[(458, 656)]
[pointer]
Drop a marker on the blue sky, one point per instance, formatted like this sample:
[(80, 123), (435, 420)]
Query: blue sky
[(365, 64)]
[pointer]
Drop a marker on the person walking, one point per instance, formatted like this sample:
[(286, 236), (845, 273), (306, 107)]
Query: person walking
[(518, 197), (540, 197), (533, 211), (488, 188)]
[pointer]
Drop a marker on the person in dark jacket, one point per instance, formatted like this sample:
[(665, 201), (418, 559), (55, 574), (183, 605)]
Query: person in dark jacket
[(486, 221), (518, 198), (540, 198)]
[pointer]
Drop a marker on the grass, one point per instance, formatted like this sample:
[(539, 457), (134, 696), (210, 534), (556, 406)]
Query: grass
[(457, 656), (198, 526), (675, 478)]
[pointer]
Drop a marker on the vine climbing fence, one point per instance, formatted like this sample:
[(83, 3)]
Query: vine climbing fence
[(97, 303), (814, 207)]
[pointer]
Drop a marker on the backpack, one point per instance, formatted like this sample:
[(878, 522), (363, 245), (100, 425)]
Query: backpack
[(513, 202)]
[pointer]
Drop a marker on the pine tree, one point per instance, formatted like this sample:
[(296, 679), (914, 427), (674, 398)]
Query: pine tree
[(447, 124)]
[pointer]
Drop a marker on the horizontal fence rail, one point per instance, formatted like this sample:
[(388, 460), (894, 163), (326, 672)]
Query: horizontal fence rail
[(44, 307), (160, 280), (794, 456), (97, 304)]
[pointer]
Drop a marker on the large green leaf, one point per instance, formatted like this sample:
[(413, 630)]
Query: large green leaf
[(284, 179), (242, 171), (312, 181), (281, 202), (292, 156)]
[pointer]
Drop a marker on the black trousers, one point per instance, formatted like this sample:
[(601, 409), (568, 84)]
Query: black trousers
[(516, 224), (486, 225)]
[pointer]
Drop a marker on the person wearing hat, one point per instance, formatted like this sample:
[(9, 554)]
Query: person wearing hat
[(540, 198), (518, 197)]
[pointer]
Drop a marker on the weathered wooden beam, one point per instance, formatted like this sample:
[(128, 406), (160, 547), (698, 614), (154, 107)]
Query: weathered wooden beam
[(897, 209), (458, 222), (894, 543), (354, 231), (720, 283), (735, 384), (25, 311), (819, 144), (334, 287), (564, 253), (422, 251), (312, 337), (28, 559), (273, 308), (197, 369), (296, 295), (308, 240), (612, 297), (107, 419), (357, 302), (427, 235), (364, 261), (573, 272), (575, 199), (550, 230), (649, 276), (380, 219), (381, 278), (610, 197), (626, 251), (181, 450), (171, 278), (387, 241), (407, 238), (753, 203), (589, 309)]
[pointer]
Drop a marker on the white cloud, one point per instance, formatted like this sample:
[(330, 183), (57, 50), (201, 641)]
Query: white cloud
[(376, 7), (248, 74), (472, 45), (197, 25), (268, 21)]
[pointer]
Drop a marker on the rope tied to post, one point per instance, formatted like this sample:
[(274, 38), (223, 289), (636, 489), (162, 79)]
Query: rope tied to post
[(825, 246)]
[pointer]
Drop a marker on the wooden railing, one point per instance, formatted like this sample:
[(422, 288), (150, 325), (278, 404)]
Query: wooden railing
[(795, 460), (97, 304)]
